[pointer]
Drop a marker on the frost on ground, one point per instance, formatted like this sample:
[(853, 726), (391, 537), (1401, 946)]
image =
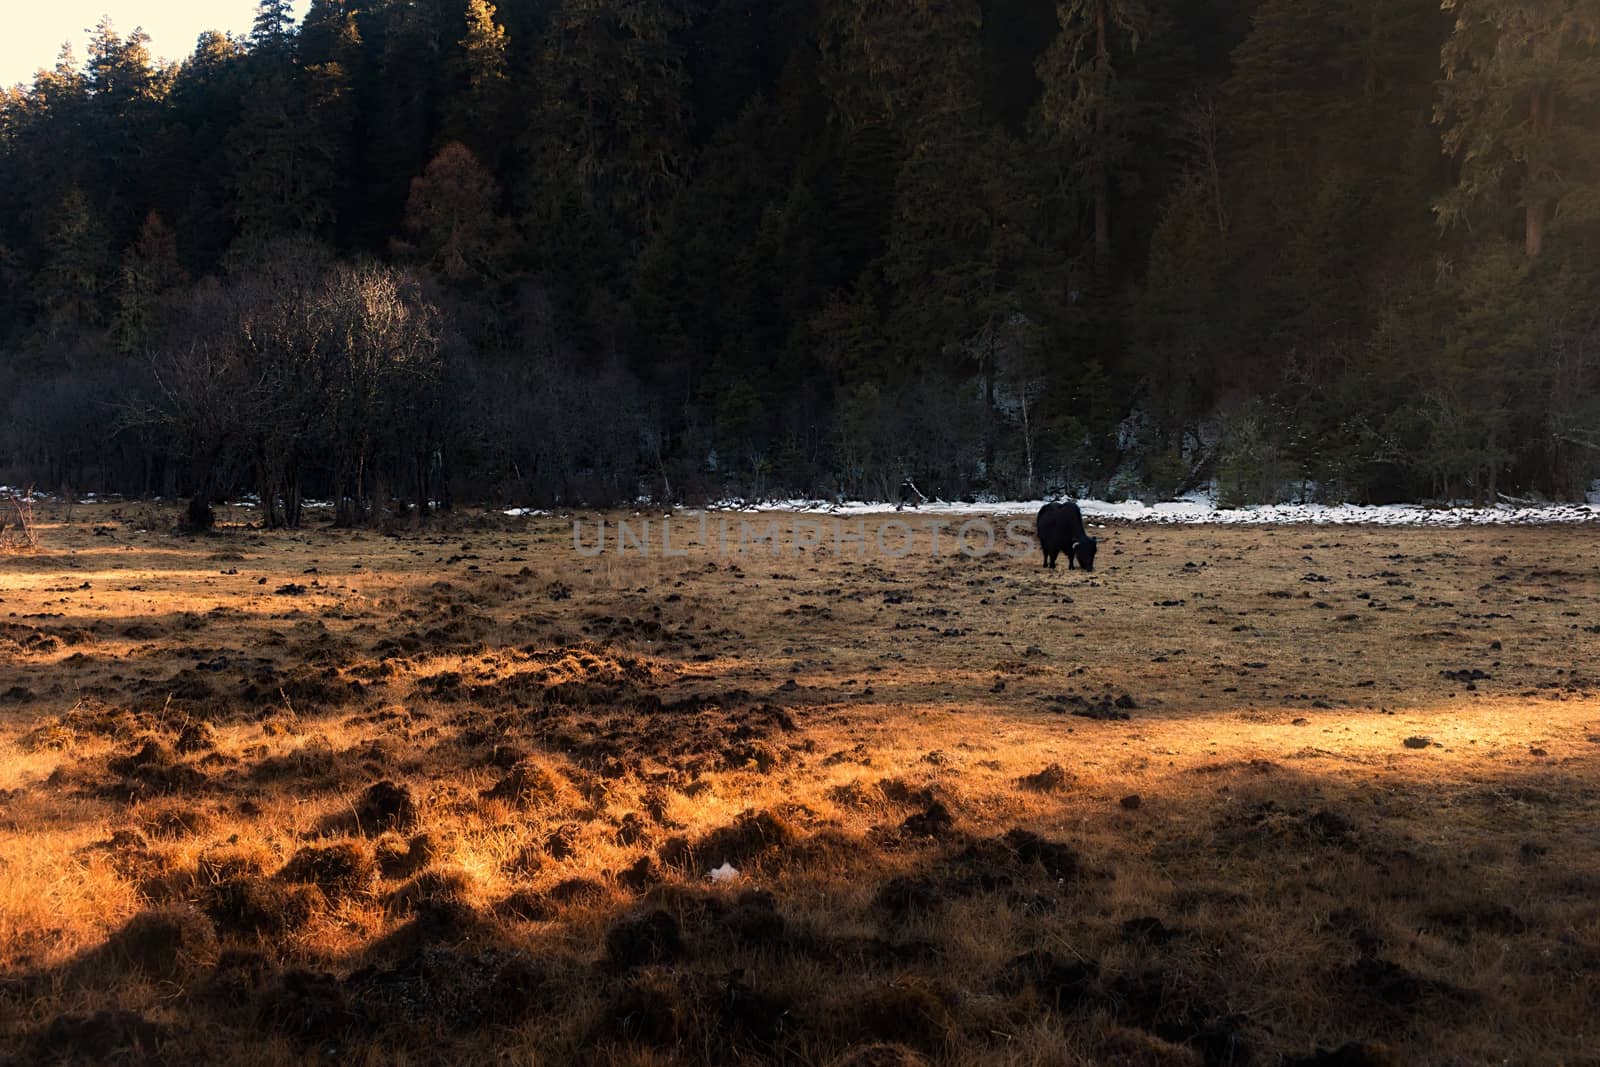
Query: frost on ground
[(1198, 510)]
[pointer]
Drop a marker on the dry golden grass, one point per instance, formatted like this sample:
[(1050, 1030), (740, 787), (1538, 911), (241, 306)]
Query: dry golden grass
[(452, 797)]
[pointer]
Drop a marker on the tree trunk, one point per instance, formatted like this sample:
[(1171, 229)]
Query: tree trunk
[(1494, 466), (1027, 436), (1538, 118), (266, 491), (291, 501), (989, 409), (1535, 229), (1097, 174)]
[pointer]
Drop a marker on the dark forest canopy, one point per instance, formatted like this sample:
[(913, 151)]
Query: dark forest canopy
[(575, 250)]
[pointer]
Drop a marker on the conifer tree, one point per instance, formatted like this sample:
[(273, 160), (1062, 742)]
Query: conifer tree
[(71, 284), (1084, 105), (1521, 89), (273, 28), (476, 113), (149, 273)]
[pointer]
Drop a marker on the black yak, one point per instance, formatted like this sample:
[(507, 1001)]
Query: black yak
[(1060, 528)]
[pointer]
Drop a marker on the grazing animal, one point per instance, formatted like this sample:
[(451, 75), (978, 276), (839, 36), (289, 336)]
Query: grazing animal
[(1060, 529)]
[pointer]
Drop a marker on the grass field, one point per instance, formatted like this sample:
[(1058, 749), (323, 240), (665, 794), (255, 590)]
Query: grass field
[(1241, 796)]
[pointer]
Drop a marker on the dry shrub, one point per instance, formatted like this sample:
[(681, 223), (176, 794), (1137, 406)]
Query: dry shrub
[(51, 735), (18, 532)]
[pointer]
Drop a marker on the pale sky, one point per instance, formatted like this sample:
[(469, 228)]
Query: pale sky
[(32, 31)]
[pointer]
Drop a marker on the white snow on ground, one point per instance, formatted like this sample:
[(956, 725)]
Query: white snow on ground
[(1200, 510), (1193, 509)]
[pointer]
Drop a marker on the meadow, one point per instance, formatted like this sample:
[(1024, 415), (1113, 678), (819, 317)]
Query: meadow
[(464, 794)]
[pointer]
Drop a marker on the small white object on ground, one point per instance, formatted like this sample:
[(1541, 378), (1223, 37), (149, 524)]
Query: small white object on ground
[(726, 873)]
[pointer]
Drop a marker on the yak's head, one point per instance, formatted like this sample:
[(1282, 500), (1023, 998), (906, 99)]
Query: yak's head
[(1085, 550)]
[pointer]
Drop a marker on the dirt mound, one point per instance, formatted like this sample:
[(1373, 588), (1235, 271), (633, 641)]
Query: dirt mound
[(754, 837), (1052, 779), (914, 1011), (108, 1037), (385, 805), (1129, 1047), (154, 769), (175, 821), (196, 736), (169, 944), (531, 783), (650, 1009), (1058, 984), (340, 869), (645, 938), (458, 988), (398, 857), (245, 903), (880, 1055), (1350, 1054), (432, 889), (934, 820)]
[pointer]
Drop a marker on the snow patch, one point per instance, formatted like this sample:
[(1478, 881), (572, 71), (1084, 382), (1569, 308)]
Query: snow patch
[(1198, 509)]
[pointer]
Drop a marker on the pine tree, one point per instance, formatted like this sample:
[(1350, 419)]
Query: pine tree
[(484, 51), (399, 90), (613, 126), (1521, 88), (476, 112), (1084, 104), (125, 94), (273, 29), (120, 71), (70, 287), (330, 34), (150, 271), (283, 166)]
